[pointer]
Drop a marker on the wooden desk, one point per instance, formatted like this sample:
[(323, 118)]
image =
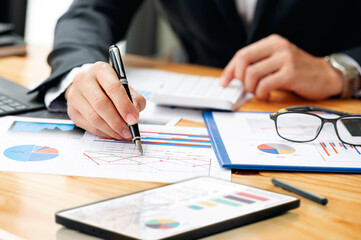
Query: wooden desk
[(28, 201)]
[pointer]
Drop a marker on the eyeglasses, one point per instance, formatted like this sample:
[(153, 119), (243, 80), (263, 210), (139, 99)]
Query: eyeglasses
[(296, 124)]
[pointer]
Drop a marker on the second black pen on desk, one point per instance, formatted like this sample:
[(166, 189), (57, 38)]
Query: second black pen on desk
[(117, 64), (303, 193)]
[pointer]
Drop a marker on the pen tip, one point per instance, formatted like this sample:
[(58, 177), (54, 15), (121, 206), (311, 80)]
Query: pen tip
[(139, 146)]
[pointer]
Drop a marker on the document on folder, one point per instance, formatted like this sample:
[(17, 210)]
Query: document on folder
[(58, 147), (247, 140)]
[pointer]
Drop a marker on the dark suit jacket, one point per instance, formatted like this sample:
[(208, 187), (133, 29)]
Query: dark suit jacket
[(211, 31)]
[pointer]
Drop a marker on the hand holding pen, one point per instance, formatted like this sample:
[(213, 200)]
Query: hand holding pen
[(116, 61), (98, 103)]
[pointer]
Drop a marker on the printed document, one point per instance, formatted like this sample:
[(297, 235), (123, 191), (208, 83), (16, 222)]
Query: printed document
[(58, 147)]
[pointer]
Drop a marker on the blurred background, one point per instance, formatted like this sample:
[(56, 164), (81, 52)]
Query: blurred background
[(35, 20)]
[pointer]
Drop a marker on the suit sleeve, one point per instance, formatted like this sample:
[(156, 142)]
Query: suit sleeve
[(84, 33)]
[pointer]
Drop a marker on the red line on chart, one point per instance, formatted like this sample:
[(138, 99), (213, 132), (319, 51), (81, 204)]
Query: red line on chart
[(147, 163), (125, 158), (157, 157), (92, 159), (182, 134), (110, 161), (333, 147), (324, 149)]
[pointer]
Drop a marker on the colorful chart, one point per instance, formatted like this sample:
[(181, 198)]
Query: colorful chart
[(25, 153), (162, 223), (274, 148), (235, 200)]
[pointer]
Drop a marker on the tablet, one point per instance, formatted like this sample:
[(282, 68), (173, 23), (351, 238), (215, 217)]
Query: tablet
[(185, 210)]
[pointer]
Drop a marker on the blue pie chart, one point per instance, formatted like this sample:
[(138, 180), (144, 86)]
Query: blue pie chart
[(31, 153)]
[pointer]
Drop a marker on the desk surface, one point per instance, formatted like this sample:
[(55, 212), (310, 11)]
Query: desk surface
[(28, 201)]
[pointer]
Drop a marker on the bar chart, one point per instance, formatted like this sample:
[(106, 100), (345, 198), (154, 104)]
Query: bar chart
[(338, 151), (236, 199)]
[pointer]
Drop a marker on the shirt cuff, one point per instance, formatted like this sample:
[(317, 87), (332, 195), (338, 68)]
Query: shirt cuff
[(54, 97)]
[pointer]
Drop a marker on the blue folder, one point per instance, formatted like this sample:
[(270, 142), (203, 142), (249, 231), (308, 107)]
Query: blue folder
[(225, 161)]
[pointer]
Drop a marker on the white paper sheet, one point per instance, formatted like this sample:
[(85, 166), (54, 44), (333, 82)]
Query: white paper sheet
[(56, 147)]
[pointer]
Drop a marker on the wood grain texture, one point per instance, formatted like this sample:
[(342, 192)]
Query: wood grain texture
[(28, 202)]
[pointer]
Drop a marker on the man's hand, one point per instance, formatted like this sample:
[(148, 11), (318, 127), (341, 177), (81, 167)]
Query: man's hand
[(98, 103), (275, 63)]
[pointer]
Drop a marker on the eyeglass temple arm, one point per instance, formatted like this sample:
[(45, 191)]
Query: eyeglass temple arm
[(312, 108)]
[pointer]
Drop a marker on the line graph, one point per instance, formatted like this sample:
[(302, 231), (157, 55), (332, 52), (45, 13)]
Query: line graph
[(148, 161), (169, 151)]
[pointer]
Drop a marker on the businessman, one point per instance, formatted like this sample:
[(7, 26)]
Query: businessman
[(266, 44)]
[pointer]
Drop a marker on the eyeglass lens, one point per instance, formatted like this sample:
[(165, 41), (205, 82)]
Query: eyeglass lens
[(305, 127), (349, 129), (298, 126)]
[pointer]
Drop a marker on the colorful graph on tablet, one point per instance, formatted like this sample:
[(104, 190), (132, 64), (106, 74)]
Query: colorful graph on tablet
[(162, 223), (25, 153), (233, 200), (275, 148)]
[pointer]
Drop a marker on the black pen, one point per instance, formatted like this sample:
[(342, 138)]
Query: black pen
[(303, 193), (117, 64)]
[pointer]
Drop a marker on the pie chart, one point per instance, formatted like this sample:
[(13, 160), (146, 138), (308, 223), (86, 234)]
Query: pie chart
[(162, 223), (276, 148), (30, 153)]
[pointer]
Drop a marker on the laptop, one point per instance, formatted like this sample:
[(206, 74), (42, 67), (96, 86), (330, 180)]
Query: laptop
[(14, 99)]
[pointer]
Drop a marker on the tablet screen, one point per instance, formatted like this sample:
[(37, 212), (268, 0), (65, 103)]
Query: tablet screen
[(173, 209)]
